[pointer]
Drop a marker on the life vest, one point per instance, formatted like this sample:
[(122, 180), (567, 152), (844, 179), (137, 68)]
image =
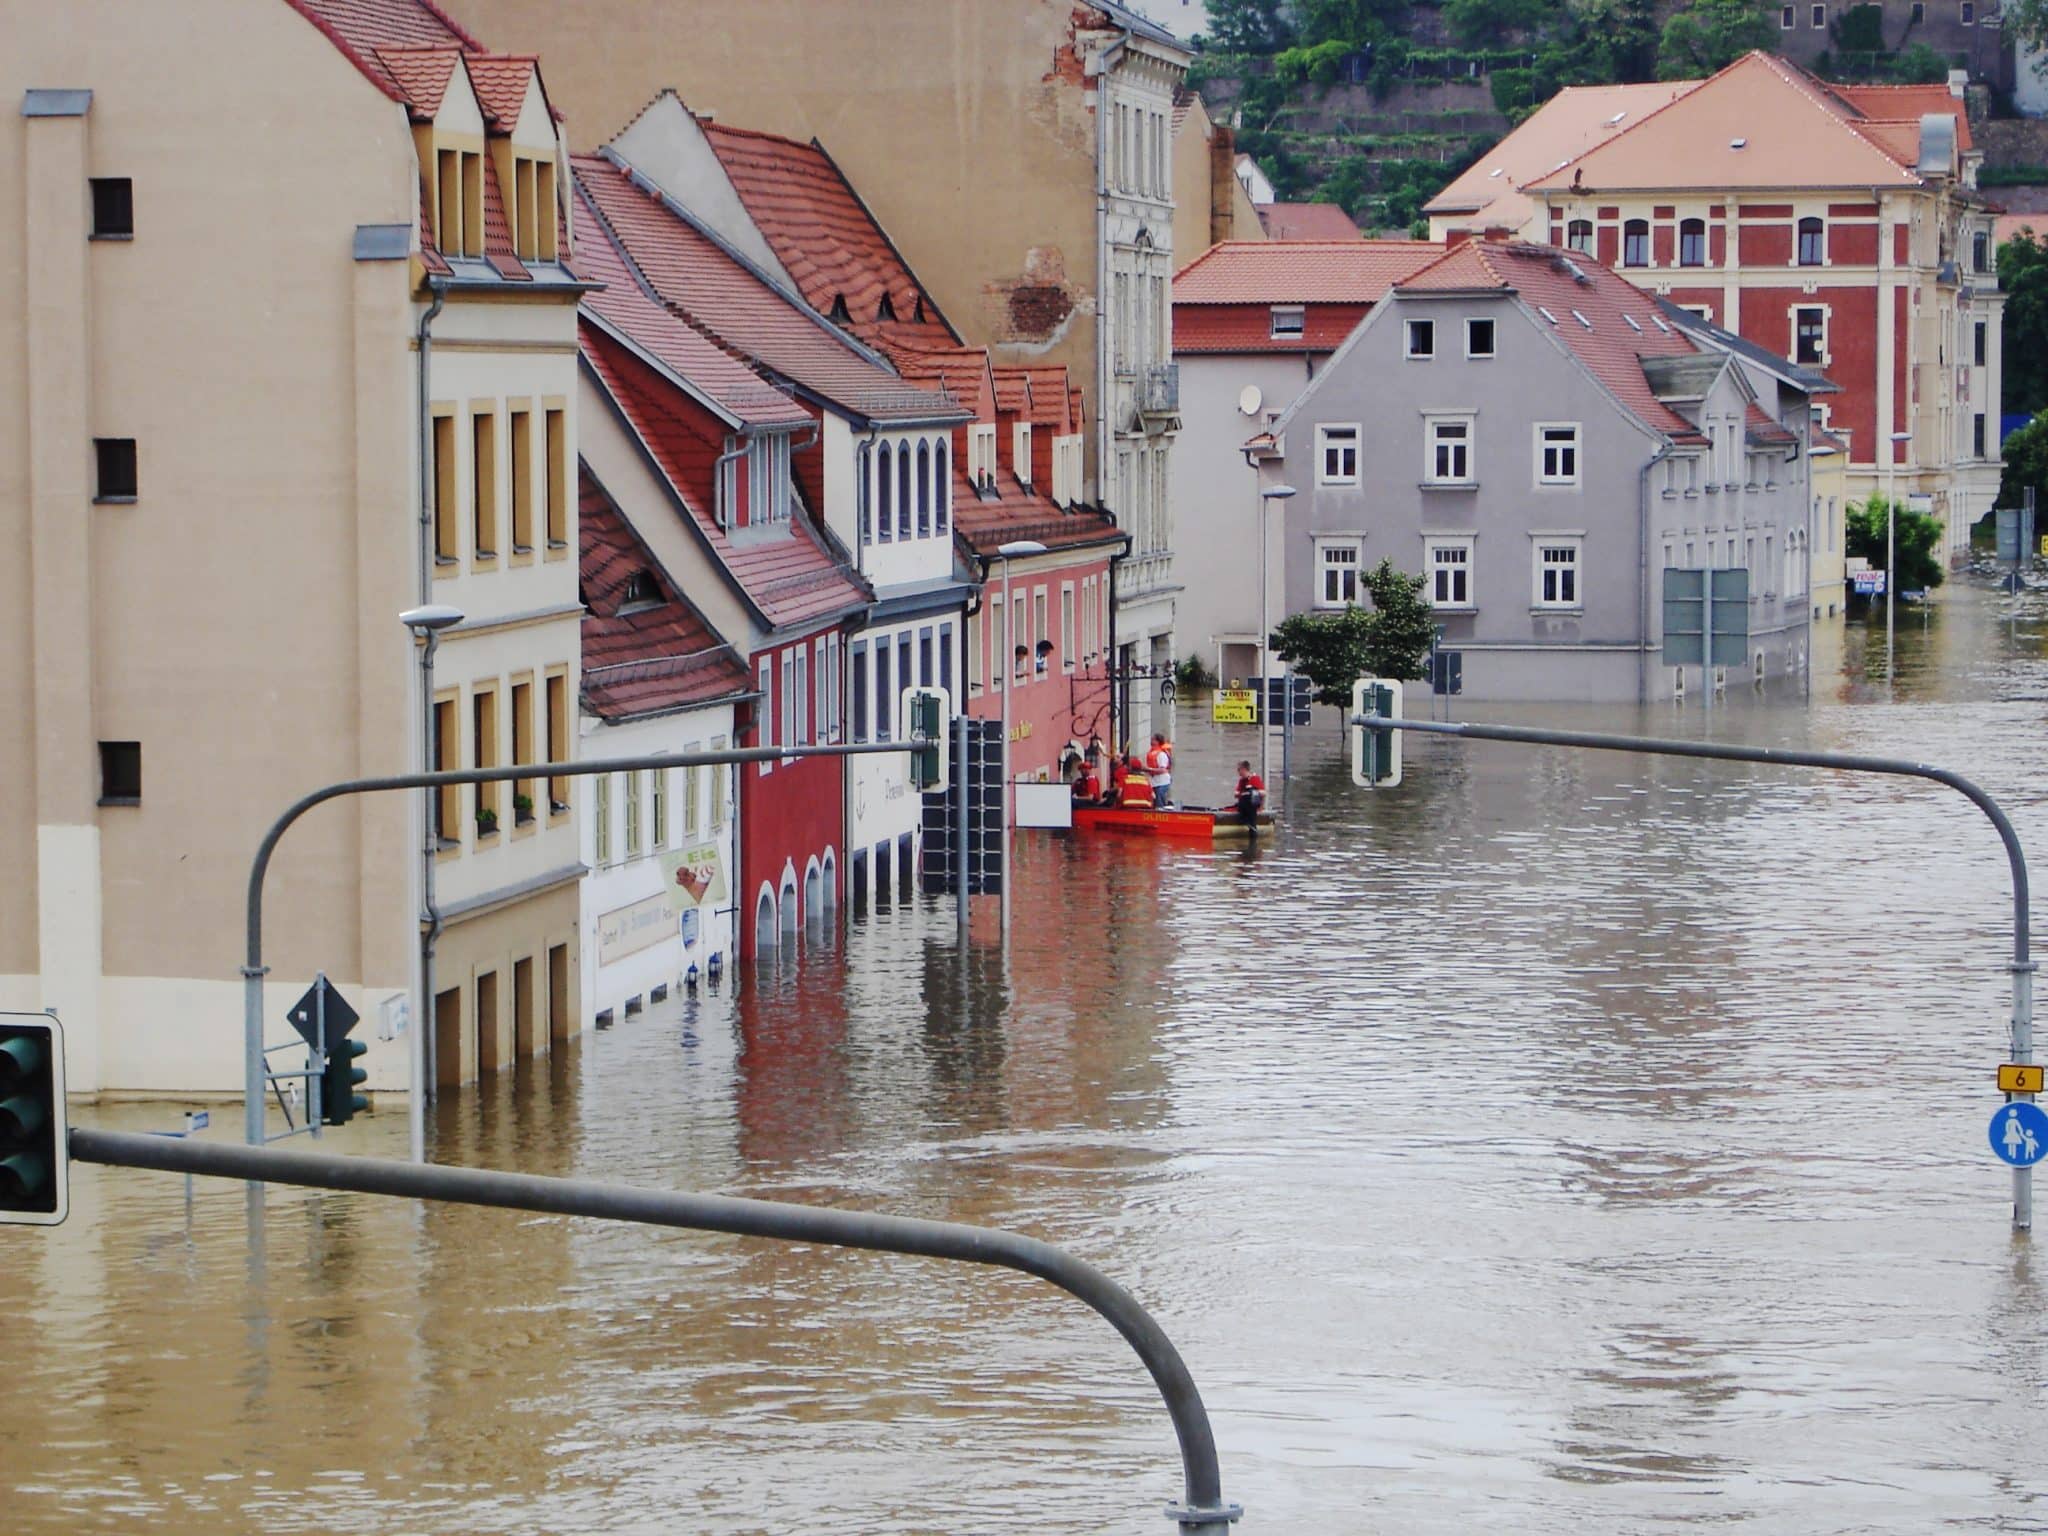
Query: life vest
[(1137, 791)]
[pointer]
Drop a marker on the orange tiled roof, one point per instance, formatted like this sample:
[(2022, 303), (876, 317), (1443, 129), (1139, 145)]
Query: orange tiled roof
[(1761, 122), (964, 373), (641, 659), (1307, 221), (1907, 104), (422, 74), (500, 82), (361, 29), (1053, 403), (1299, 272), (1564, 127), (1607, 322)]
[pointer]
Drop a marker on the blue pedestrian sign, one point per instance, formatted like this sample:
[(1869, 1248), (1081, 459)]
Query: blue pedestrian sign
[(2019, 1134)]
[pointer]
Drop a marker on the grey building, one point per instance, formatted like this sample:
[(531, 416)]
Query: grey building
[(1541, 440)]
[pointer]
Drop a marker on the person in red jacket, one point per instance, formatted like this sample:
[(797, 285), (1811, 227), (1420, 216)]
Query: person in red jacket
[(1137, 788), (1250, 794)]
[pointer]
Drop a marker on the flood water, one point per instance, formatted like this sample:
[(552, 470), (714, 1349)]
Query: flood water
[(1556, 1143)]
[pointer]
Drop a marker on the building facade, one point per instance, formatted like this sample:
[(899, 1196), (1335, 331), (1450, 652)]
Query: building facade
[(1541, 443), (224, 505)]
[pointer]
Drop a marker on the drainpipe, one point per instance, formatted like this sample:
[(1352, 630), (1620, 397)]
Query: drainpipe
[(1643, 571), (430, 913), (726, 517), (1116, 558)]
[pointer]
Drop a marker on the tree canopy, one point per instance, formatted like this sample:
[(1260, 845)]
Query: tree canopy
[(1333, 648), (2023, 274), (1918, 536), (1712, 34), (2026, 464), (1248, 26)]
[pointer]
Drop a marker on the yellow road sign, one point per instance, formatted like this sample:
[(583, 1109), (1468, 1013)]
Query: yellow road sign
[(2014, 1078), (1234, 706)]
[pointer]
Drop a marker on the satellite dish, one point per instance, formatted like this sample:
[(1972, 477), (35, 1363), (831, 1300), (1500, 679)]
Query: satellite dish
[(1249, 400)]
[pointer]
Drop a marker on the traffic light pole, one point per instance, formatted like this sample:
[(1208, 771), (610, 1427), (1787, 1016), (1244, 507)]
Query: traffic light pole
[(1202, 1511), (2022, 965), (254, 1077)]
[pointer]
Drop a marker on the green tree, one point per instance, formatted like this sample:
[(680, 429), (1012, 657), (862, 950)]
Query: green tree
[(2023, 274), (1333, 649), (2025, 21), (2026, 464), (1918, 536), (1248, 26), (1486, 23), (1711, 35)]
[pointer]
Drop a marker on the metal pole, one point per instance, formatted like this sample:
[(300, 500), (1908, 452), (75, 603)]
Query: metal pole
[(962, 787), (1707, 633), (1891, 523), (1009, 645), (1265, 662), (253, 968), (1202, 1510), (2022, 967), (430, 851)]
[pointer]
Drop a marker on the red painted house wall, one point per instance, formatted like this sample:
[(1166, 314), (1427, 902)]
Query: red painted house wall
[(1052, 708), (795, 812)]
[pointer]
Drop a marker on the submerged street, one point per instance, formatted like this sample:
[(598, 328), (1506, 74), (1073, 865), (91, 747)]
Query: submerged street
[(1555, 1143)]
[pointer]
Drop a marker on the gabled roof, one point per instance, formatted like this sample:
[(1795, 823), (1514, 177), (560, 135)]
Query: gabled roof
[(826, 238), (1307, 221), (422, 74), (641, 658), (628, 310), (500, 82), (1016, 511), (1606, 322), (714, 290), (1054, 404), (790, 581), (1907, 104), (363, 28), (1564, 127), (1761, 122), (1299, 272), (964, 373)]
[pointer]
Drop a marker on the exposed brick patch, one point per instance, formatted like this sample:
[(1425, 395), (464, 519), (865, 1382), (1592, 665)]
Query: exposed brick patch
[(1035, 304)]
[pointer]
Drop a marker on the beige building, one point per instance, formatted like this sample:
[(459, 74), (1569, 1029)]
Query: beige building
[(1020, 154), (232, 221)]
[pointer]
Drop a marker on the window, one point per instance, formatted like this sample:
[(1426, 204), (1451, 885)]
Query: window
[(1810, 243), (557, 491), (1557, 573), (942, 483), (1557, 455), (718, 785), (526, 224), (446, 543), (1336, 455), (924, 490), (1692, 242), (1449, 457), (1980, 251), (693, 815), (946, 658), (520, 424), (1450, 573), (1039, 628), (1917, 13), (1786, 18), (1977, 435), (806, 719), (472, 204), (885, 494), (522, 750), (114, 461), (1479, 338), (632, 815), (1422, 338), (483, 711), (447, 757), (885, 698), (1020, 456), (906, 492), (546, 209), (764, 712), (1635, 243), (1289, 321), (601, 821), (768, 479), (1579, 236), (1980, 344), (1969, 13), (558, 741), (1809, 336), (1819, 17), (1336, 573), (448, 220), (981, 454), (1067, 625), (483, 431), (657, 809), (860, 690), (120, 773), (113, 208)]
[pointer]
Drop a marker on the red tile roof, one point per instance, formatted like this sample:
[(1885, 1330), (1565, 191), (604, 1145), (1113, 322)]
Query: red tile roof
[(1907, 104), (828, 241), (500, 82), (791, 581), (729, 384), (422, 74), (1307, 221), (641, 658), (1562, 288), (361, 28), (1016, 511), (1054, 405), (722, 297), (964, 373), (1299, 272)]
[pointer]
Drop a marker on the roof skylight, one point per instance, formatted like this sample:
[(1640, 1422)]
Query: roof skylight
[(1582, 320), (1617, 117), (1631, 320), (1738, 143), (1659, 319), (1546, 314)]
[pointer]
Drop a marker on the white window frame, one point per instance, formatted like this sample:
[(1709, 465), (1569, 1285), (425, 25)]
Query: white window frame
[(1069, 640), (1545, 476), (764, 712), (981, 453), (1408, 350), (1827, 330), (1432, 545), (1350, 544), (1541, 544), (1485, 320), (1432, 423), (1020, 453), (1324, 443), (1289, 322)]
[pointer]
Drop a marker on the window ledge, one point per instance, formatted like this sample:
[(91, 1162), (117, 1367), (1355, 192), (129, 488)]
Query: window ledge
[(1448, 485), (112, 237), (447, 845), (120, 800), (484, 554), (1552, 610), (522, 549), (1557, 485), (446, 560), (558, 543), (115, 501), (1454, 607)]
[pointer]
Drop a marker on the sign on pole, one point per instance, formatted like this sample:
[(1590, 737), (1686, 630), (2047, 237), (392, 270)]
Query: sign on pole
[(1706, 617), (2019, 1134), (1234, 706)]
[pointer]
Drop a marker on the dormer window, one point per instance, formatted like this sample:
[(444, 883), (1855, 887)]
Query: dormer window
[(459, 202), (885, 310), (839, 314), (1289, 320), (754, 483), (641, 592), (981, 455), (1020, 451)]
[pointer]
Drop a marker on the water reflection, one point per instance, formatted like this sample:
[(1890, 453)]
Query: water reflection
[(1556, 1141)]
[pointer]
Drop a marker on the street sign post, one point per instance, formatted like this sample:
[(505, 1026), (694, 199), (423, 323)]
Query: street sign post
[(2019, 1134), (1234, 706), (2021, 1077), (1706, 621)]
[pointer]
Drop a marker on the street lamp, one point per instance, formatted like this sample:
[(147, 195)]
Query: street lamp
[(1267, 496), (426, 623), (1015, 549), (1891, 525)]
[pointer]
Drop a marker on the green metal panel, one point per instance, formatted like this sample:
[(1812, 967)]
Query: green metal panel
[(1684, 616)]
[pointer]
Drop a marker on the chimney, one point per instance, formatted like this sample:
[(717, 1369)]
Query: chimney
[(1958, 83), (1499, 232), (1457, 237)]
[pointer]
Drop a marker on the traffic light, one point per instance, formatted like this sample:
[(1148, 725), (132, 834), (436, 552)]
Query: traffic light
[(926, 713), (1375, 753), (338, 1097), (34, 1158)]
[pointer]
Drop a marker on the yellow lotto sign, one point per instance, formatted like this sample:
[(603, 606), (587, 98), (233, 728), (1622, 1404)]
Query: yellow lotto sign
[(1234, 706)]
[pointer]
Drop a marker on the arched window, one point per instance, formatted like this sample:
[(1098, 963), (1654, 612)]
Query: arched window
[(864, 495), (924, 489), (1809, 242), (1635, 243), (903, 490), (1579, 236), (885, 494), (764, 926), (1692, 242), (942, 485)]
